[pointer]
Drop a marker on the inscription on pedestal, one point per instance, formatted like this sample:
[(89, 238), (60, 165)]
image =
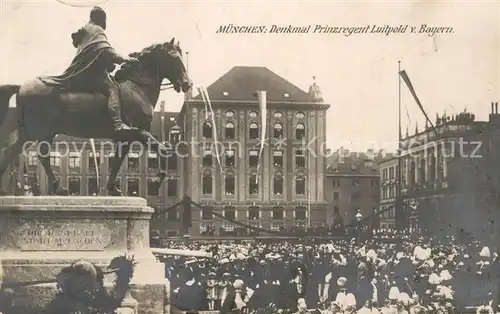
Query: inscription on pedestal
[(56, 236)]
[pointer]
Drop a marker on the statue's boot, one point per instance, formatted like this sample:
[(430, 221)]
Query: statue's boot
[(121, 130)]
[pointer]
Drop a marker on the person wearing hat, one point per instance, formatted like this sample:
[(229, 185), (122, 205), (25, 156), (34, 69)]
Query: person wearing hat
[(90, 69), (211, 288)]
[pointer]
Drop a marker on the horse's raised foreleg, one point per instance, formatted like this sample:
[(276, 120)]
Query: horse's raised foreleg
[(55, 187), (11, 152), (121, 151)]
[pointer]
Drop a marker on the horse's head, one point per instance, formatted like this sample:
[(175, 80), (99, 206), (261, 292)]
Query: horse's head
[(167, 59)]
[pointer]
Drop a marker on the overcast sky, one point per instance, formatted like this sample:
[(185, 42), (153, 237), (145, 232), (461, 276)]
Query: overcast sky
[(358, 74)]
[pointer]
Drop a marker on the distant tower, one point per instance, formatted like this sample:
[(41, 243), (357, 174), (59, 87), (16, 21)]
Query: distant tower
[(315, 92)]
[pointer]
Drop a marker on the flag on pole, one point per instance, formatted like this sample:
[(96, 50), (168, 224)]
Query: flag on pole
[(262, 95), (408, 83)]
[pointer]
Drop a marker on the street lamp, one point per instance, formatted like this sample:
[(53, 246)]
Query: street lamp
[(359, 216)]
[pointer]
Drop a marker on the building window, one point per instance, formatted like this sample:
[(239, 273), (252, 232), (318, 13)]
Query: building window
[(206, 131), (412, 173), (229, 131), (91, 160), (172, 214), (253, 185), (230, 213), (278, 131), (74, 186), (92, 186), (153, 186), (55, 159), (300, 131), (253, 158), (152, 161), (278, 213), (253, 131), (172, 162), (133, 186), (336, 196), (384, 174), (207, 158), (300, 115), (278, 114), (253, 213), (133, 161), (336, 209), (278, 158), (172, 187), (207, 184), (300, 159), (422, 171), (300, 186), (253, 114), (230, 158), (175, 134), (355, 183), (74, 160), (207, 213), (229, 184), (373, 183), (32, 159), (300, 213), (278, 185), (336, 183), (229, 114)]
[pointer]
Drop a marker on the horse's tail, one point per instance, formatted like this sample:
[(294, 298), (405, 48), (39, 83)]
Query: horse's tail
[(6, 92)]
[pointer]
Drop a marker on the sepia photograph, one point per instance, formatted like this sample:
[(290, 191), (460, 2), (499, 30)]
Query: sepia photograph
[(249, 157)]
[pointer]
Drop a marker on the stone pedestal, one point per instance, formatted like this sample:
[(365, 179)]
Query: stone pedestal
[(41, 235)]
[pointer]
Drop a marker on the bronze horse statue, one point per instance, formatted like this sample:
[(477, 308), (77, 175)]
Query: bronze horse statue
[(41, 116)]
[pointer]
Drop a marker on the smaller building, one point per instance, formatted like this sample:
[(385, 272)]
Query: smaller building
[(389, 173), (352, 187)]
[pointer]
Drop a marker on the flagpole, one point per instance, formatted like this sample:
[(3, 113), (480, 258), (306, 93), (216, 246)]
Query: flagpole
[(399, 202)]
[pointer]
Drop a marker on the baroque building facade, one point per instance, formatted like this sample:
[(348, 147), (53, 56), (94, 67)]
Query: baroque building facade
[(281, 187)]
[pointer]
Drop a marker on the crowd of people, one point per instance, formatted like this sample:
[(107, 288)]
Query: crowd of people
[(386, 274)]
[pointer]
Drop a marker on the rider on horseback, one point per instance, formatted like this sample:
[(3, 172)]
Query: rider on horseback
[(94, 60)]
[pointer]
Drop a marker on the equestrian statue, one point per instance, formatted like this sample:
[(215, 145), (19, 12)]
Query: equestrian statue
[(87, 101)]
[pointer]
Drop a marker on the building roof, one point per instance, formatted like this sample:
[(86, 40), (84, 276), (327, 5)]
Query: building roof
[(242, 82), (357, 168), (171, 119)]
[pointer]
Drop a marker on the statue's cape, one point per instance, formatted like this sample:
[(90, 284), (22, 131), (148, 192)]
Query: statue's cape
[(91, 42)]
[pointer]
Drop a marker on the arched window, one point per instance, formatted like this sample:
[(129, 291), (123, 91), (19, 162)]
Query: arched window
[(253, 185), (229, 130), (278, 131), (278, 185), (253, 132), (300, 131), (229, 114), (300, 185), (300, 115), (278, 114), (207, 130), (230, 184), (253, 114), (207, 183)]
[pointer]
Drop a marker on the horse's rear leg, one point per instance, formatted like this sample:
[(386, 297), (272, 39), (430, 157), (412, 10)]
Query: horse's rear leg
[(12, 152), (121, 150), (55, 187)]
